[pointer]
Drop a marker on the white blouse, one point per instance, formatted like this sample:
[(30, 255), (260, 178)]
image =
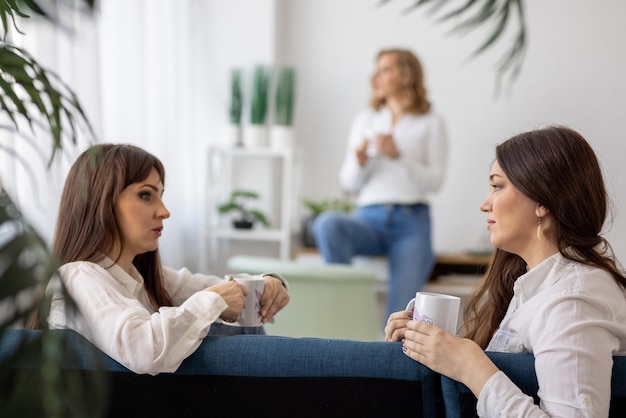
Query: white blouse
[(117, 317), (572, 317), (418, 171)]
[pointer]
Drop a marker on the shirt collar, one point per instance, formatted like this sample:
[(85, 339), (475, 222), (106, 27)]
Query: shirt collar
[(544, 275), (133, 281)]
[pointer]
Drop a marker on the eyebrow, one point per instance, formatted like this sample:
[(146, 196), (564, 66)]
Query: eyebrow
[(153, 187), (491, 176)]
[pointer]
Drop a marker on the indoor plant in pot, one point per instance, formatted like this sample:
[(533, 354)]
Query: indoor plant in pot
[(281, 135), (232, 131), (238, 202), (317, 207), (255, 133)]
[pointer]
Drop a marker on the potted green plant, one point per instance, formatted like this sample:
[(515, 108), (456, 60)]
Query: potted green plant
[(255, 134), (34, 98), (317, 207), (281, 136), (238, 203), (232, 133)]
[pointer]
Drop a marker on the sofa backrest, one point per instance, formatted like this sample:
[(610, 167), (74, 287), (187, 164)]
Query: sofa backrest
[(266, 376), (283, 376)]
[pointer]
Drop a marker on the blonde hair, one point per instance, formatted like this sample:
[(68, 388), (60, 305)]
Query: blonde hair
[(412, 79)]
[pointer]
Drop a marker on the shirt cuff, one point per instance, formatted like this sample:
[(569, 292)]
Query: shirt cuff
[(497, 393)]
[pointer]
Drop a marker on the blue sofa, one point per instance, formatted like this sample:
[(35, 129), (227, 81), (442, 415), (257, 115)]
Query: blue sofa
[(283, 377)]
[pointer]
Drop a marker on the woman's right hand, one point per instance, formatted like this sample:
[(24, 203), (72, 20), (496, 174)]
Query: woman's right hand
[(235, 296), (361, 152)]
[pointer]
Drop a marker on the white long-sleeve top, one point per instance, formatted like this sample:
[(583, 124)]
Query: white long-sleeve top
[(117, 317), (572, 317), (418, 171)]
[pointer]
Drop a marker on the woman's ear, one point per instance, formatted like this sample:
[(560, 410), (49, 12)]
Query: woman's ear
[(541, 211)]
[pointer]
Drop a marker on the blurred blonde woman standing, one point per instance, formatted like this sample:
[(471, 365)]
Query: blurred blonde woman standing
[(395, 159)]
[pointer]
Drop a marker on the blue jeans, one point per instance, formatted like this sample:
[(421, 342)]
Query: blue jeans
[(227, 330), (401, 232)]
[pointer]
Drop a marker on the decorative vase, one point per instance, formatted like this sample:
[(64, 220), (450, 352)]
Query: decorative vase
[(308, 238), (231, 136), (281, 137), (255, 136), (242, 224)]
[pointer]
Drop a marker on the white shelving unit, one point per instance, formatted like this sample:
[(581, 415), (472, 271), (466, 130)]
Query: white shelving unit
[(266, 171)]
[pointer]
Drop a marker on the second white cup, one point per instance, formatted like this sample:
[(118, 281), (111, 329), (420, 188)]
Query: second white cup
[(436, 309), (250, 317)]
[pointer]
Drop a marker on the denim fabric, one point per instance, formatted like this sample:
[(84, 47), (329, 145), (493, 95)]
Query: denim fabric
[(227, 330), (401, 232)]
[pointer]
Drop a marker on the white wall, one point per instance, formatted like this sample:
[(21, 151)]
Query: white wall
[(164, 72), (573, 74)]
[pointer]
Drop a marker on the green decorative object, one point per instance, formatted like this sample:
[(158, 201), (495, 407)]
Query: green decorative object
[(473, 14), (238, 202), (317, 207), (259, 96), (236, 98), (284, 97)]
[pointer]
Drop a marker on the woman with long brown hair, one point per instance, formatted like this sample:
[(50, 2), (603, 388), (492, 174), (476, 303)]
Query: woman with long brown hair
[(144, 315), (553, 287), (395, 160)]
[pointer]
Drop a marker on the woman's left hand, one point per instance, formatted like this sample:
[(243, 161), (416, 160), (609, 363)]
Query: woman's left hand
[(459, 358), (274, 298)]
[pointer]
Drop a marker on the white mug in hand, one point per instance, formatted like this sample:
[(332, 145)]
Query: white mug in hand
[(436, 309), (250, 317)]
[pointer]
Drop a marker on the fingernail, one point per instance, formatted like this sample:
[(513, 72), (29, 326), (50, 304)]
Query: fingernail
[(404, 349)]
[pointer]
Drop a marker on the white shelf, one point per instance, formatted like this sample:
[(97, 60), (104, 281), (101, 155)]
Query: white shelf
[(265, 170), (249, 234), (251, 152)]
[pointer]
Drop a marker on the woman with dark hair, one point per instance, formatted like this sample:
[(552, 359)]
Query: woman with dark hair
[(553, 287), (395, 159), (144, 315)]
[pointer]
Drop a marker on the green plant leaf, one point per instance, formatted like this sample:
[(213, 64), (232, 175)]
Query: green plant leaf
[(284, 97), (476, 13), (260, 91), (259, 216)]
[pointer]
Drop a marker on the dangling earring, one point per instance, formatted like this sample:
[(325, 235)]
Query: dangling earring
[(539, 228)]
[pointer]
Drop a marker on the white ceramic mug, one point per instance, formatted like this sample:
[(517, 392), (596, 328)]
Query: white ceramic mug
[(436, 309), (250, 317)]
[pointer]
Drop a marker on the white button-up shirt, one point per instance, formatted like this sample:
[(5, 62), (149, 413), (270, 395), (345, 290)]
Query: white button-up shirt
[(117, 316), (572, 317)]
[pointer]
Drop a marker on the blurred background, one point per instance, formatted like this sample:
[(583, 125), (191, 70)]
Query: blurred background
[(156, 73)]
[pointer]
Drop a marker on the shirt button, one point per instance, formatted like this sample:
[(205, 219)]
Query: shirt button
[(585, 399), (191, 336)]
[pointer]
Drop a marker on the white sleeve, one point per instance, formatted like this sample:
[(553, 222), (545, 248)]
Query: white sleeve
[(428, 173), (351, 175), (181, 284), (116, 321)]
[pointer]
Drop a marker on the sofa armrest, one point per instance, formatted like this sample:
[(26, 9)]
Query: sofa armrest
[(459, 401)]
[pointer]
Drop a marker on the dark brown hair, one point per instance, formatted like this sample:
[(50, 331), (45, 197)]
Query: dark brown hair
[(412, 79), (87, 228), (557, 168)]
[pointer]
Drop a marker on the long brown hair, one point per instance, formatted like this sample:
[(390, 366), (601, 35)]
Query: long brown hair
[(87, 228), (557, 168), (412, 79)]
